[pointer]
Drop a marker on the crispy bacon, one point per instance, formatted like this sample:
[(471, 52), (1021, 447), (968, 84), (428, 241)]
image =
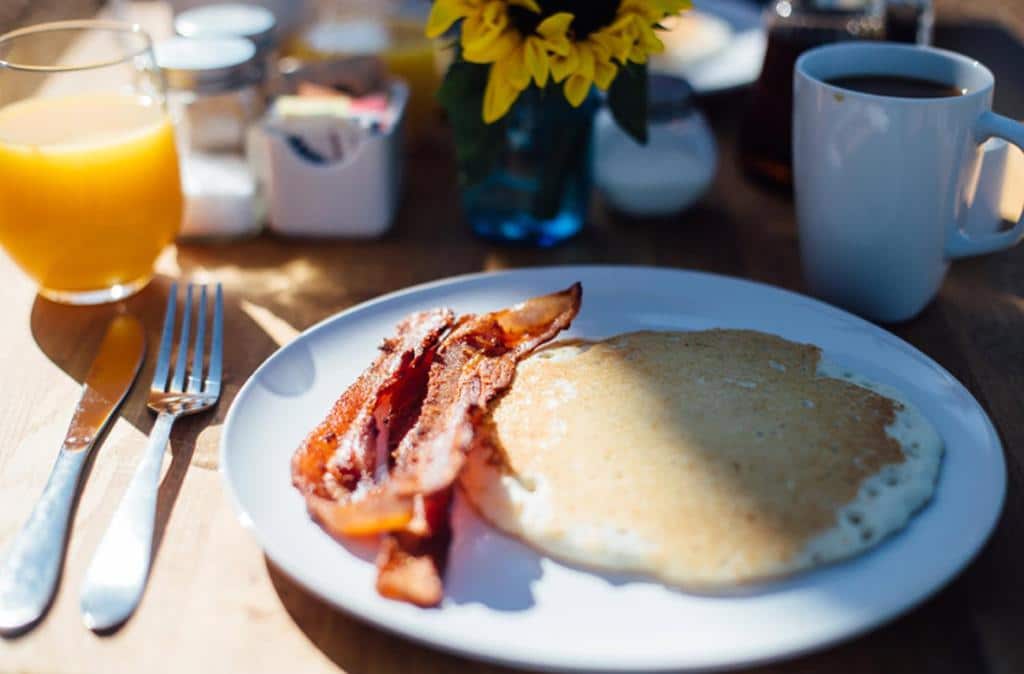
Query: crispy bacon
[(432, 400), (341, 454), (410, 566), (474, 363)]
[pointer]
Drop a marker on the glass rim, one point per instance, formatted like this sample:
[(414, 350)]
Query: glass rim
[(76, 25)]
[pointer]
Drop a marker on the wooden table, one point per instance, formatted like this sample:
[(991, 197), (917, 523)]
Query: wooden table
[(215, 603)]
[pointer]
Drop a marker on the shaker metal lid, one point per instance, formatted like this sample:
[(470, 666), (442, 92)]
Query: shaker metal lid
[(207, 65), (229, 20)]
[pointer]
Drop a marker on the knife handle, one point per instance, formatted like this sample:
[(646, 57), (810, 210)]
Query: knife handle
[(119, 568), (29, 573)]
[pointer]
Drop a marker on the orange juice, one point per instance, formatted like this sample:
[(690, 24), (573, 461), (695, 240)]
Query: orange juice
[(414, 59), (89, 189)]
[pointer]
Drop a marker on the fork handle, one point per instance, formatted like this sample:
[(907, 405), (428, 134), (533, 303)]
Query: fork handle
[(117, 575)]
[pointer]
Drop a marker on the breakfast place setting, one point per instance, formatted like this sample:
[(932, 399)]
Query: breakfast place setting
[(511, 336)]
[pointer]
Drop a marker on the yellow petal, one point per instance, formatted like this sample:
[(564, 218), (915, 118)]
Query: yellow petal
[(563, 66), (622, 35), (647, 43), (526, 4), (650, 41), (672, 6), (604, 69), (605, 40), (643, 9), (599, 50), (556, 25), (536, 60), (495, 13), (444, 13), (490, 48), (604, 74), (554, 30), (498, 97), (514, 69), (483, 27), (638, 54), (576, 89), (578, 84), (586, 64), (622, 23)]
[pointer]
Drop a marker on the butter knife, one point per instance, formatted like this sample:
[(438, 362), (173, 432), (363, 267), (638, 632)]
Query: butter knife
[(29, 573)]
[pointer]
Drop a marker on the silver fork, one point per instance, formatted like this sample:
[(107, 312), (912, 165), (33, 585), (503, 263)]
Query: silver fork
[(117, 575)]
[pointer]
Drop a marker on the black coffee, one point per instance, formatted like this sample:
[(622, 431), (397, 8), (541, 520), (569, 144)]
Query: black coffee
[(894, 85)]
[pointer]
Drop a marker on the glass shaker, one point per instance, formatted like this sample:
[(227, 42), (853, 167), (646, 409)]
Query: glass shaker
[(793, 27), (214, 96), (670, 172), (251, 22), (213, 90)]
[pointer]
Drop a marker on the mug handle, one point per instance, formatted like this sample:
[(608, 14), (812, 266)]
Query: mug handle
[(959, 244)]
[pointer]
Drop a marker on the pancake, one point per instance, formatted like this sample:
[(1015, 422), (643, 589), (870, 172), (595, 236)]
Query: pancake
[(708, 460)]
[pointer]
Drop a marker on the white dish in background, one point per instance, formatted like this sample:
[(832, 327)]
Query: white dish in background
[(691, 36), (506, 603), (727, 50)]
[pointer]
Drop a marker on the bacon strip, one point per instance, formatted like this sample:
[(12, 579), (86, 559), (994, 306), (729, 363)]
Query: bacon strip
[(343, 454), (472, 364), (410, 566)]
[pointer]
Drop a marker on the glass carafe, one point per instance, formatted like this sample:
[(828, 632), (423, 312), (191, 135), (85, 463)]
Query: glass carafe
[(793, 27)]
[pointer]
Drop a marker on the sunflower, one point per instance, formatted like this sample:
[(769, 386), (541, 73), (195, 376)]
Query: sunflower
[(577, 44)]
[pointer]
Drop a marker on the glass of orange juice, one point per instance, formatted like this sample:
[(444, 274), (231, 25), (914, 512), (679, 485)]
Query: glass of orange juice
[(89, 186)]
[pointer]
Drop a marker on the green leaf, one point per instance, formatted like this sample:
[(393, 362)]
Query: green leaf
[(478, 145), (627, 100)]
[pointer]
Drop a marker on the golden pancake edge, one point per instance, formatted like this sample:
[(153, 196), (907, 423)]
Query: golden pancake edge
[(708, 460)]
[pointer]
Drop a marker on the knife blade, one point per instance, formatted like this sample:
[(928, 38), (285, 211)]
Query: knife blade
[(31, 568)]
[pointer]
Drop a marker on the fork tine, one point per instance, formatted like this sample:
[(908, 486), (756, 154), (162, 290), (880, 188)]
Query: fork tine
[(216, 346), (163, 361), (195, 374), (178, 382)]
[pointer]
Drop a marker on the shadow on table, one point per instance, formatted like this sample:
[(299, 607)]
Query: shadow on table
[(358, 648), (70, 336), (270, 293)]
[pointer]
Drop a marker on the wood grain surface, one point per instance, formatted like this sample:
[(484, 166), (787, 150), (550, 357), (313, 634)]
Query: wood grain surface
[(216, 604)]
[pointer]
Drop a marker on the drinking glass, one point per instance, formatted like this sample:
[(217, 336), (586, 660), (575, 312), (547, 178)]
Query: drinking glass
[(90, 192)]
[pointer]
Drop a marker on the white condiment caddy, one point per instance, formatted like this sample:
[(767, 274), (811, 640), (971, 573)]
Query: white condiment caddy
[(355, 196)]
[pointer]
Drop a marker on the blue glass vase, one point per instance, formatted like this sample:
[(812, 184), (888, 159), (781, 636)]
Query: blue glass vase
[(538, 191)]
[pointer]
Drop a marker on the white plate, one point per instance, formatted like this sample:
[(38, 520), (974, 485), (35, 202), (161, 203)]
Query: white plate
[(738, 61), (505, 602)]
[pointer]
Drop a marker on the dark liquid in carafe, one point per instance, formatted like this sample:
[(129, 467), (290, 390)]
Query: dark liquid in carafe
[(766, 131), (903, 22), (893, 85)]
